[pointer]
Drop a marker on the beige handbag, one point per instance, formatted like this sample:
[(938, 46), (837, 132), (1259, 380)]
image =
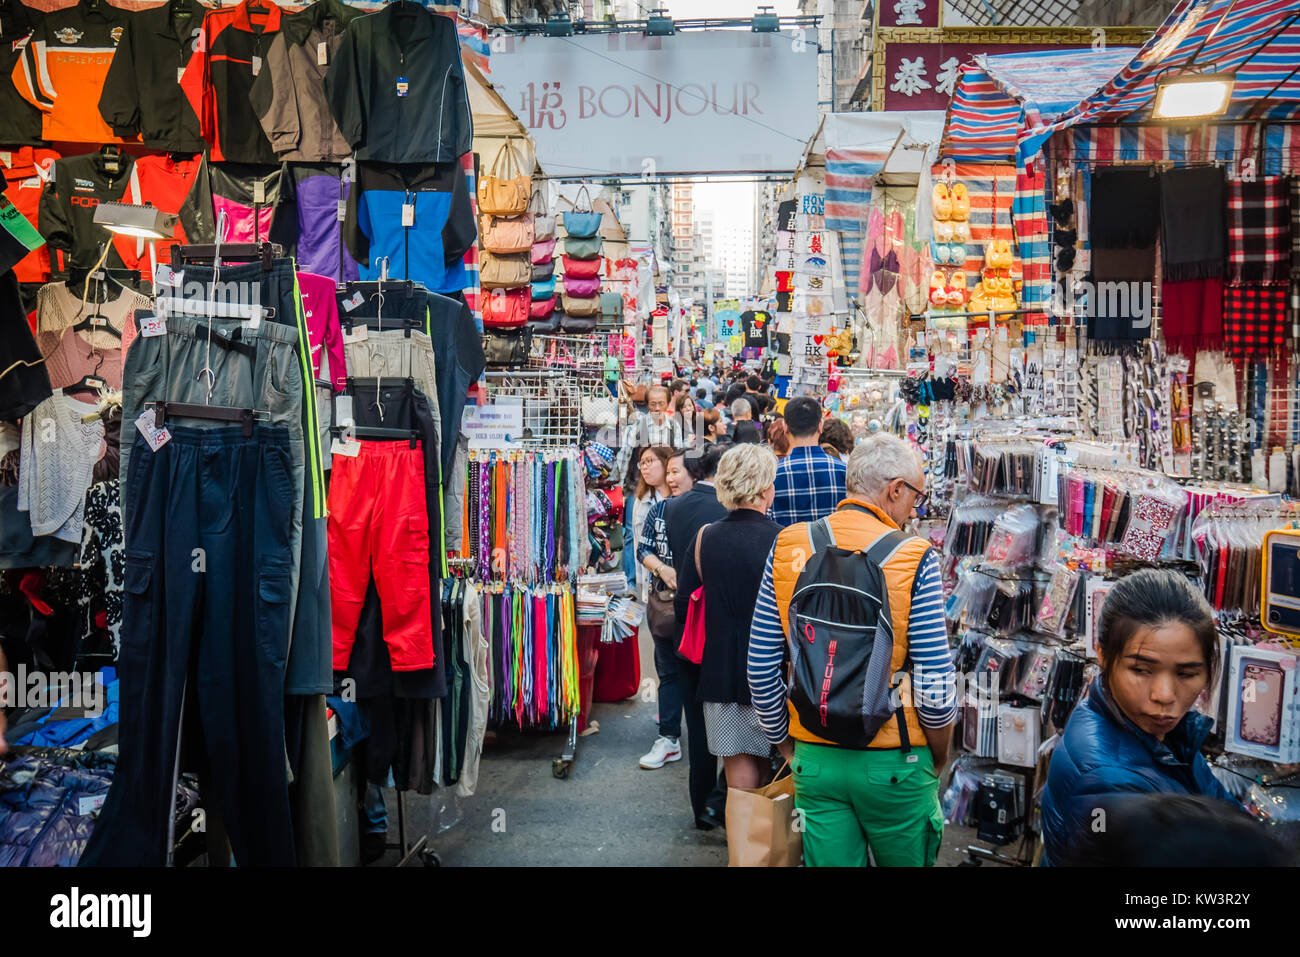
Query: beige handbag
[(503, 235), (543, 225), (580, 306), (504, 271), (508, 193)]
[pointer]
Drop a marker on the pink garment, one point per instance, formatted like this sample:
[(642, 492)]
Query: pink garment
[(68, 357), (320, 307)]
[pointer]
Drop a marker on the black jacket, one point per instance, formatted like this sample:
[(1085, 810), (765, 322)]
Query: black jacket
[(733, 553), (20, 121), (684, 515), (397, 87), (142, 93), (76, 186)]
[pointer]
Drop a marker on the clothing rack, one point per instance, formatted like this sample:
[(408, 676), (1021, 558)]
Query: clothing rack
[(227, 252)]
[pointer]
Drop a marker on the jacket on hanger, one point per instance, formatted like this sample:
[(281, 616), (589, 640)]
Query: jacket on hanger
[(142, 95), (164, 183), (257, 201), (319, 188), (218, 79), (78, 184), (25, 171), (288, 94), (20, 119), (63, 68), (397, 87), (441, 228)]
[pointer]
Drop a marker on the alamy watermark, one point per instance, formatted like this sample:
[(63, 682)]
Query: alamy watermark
[(49, 689), (1131, 301)]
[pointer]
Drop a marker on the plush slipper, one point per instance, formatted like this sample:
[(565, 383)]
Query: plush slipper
[(943, 232), (941, 253), (941, 202), (938, 292), (961, 232), (1062, 211), (960, 202), (957, 291), (1066, 237), (957, 254), (1065, 260)]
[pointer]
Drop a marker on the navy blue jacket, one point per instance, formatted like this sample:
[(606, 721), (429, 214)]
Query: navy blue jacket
[(1102, 752)]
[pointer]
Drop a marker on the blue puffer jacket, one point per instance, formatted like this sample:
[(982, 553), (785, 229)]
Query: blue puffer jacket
[(1102, 752)]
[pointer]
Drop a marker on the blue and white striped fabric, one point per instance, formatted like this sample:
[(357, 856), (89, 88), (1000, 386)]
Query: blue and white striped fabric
[(849, 177)]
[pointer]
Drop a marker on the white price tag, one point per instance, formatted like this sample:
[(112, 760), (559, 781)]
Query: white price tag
[(408, 214), (259, 193), (343, 410), (353, 301), (322, 54), (257, 65), (152, 326), (358, 334), (91, 804), (156, 437), (180, 73), (255, 320), (344, 447), (343, 210)]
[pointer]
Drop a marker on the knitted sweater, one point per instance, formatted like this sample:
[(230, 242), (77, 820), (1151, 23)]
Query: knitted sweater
[(56, 462)]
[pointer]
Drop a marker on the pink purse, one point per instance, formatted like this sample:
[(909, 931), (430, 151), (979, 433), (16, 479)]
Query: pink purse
[(581, 286), (692, 645), (543, 251)]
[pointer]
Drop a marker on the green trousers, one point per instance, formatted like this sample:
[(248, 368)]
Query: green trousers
[(852, 801)]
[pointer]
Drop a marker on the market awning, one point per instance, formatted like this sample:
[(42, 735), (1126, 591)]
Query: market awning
[(1258, 40), (997, 97), (494, 121)]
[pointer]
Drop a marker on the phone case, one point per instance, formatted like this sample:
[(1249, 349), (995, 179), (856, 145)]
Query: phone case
[(1261, 704)]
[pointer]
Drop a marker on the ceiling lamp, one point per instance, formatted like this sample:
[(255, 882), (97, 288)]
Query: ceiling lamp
[(129, 219), (1193, 96)]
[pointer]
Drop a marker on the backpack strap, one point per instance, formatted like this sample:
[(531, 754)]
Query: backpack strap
[(820, 535), (881, 551)]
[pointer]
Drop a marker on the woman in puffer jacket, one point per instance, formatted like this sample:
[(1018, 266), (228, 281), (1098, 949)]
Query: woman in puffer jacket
[(1135, 731)]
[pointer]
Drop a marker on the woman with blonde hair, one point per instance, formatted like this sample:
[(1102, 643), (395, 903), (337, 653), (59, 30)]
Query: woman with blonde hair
[(728, 560)]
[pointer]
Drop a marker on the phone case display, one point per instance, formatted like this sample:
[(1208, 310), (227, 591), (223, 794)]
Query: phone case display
[(1000, 807), (1095, 590), (1018, 735), (1263, 714), (1013, 541)]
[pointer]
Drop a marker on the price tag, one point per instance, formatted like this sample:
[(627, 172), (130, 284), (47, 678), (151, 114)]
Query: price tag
[(343, 210), (259, 193), (180, 73), (353, 301), (322, 54), (343, 410), (345, 447), (403, 87), (358, 334), (89, 805), (156, 437), (257, 65), (255, 320), (152, 326), (408, 214)]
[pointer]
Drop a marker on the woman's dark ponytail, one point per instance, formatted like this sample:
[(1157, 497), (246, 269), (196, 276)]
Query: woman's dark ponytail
[(1153, 598)]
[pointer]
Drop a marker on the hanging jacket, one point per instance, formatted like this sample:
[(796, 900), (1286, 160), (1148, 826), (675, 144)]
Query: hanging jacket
[(257, 201), (63, 68), (25, 171), (319, 189), (1103, 752), (78, 184), (142, 95), (219, 77), (20, 119), (164, 183), (431, 249), (397, 87), (288, 95)]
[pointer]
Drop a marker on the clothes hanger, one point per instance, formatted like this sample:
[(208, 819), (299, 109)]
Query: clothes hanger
[(91, 382)]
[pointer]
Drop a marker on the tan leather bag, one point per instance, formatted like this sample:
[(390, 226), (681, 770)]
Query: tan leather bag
[(504, 271), (506, 189), (503, 235), (580, 306)]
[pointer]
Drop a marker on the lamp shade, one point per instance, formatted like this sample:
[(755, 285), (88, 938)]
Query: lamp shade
[(1193, 96), (128, 219)]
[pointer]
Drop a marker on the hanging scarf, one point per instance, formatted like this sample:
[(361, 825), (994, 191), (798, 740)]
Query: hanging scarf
[(1125, 210), (1191, 315), (1192, 223), (1259, 229), (1254, 318)]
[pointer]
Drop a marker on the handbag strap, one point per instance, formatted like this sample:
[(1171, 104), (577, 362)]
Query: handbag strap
[(581, 209), (496, 160), (699, 537)]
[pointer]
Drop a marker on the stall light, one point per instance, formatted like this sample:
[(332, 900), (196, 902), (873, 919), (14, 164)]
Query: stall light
[(659, 24), (1193, 96), (559, 25), (765, 21), (129, 219)]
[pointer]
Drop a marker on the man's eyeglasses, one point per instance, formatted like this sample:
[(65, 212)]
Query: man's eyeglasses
[(922, 496)]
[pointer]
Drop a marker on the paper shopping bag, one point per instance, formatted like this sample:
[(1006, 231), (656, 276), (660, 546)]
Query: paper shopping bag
[(761, 826)]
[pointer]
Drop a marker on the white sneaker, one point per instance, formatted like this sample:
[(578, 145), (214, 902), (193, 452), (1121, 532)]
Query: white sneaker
[(663, 751)]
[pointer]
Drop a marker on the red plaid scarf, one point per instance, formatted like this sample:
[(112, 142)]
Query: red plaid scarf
[(1254, 318), (1259, 229)]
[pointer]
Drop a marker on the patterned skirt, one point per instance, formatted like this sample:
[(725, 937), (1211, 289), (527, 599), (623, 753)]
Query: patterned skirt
[(734, 729)]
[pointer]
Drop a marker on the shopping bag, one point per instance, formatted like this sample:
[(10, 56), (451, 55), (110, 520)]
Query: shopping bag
[(761, 826)]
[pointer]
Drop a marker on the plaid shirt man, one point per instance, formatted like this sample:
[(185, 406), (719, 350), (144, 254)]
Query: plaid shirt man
[(809, 485)]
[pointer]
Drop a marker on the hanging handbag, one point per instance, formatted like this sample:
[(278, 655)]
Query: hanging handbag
[(543, 252), (583, 288), (611, 308), (692, 646), (543, 317), (634, 393), (542, 271), (581, 268), (583, 249), (543, 225), (543, 290), (581, 307), (660, 616), (581, 222), (497, 271), (579, 325), (499, 234), (599, 408), (506, 308), (506, 190), (506, 348)]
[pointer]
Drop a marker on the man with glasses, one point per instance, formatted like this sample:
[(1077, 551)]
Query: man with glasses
[(809, 481), (656, 426), (883, 799)]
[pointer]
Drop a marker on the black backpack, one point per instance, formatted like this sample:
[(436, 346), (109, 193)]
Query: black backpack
[(842, 641)]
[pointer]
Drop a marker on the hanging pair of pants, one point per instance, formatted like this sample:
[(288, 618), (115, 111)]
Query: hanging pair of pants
[(394, 354), (379, 520), (205, 632)]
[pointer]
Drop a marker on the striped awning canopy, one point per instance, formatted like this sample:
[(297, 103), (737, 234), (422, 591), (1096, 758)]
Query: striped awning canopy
[(1258, 40), (998, 97)]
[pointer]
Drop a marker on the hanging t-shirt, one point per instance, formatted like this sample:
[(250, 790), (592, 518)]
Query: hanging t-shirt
[(756, 324)]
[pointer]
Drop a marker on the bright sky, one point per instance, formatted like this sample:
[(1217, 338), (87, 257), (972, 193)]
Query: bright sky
[(693, 9)]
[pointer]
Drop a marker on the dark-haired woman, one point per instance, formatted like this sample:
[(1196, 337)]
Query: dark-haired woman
[(1135, 731)]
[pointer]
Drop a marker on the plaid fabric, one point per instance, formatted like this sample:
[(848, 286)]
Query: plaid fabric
[(809, 485), (471, 290), (1259, 228), (1029, 213), (1254, 318)]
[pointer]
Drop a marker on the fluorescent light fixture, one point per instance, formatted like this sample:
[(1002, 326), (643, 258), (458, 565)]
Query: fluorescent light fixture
[(1193, 96), (765, 21), (128, 219), (659, 24)]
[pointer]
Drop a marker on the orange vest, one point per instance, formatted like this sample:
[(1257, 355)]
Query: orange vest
[(856, 530)]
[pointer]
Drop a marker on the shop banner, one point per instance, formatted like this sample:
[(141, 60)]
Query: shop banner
[(922, 76), (701, 102)]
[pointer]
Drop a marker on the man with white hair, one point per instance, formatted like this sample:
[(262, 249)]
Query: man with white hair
[(882, 798), (743, 427)]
